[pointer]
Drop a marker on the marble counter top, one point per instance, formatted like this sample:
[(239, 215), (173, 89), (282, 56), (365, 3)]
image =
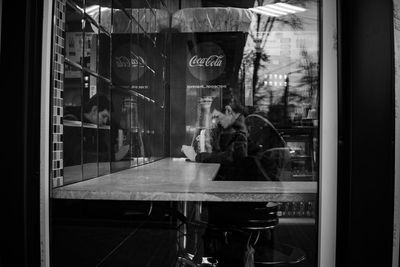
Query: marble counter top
[(174, 179)]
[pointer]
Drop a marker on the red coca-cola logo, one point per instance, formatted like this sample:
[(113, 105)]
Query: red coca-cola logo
[(206, 61)]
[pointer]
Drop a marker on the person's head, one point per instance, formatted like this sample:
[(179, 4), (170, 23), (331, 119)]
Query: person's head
[(97, 109), (231, 113)]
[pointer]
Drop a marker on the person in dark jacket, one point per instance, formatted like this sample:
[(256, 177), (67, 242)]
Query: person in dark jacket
[(97, 110), (230, 149), (229, 142)]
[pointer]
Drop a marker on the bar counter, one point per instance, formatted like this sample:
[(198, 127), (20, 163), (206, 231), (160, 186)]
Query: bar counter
[(174, 179)]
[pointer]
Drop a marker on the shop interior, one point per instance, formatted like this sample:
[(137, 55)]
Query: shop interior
[(142, 79)]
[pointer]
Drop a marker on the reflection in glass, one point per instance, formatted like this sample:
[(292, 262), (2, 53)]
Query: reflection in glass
[(90, 121), (140, 145), (91, 46), (92, 9), (105, 149), (72, 137), (280, 76), (106, 16), (271, 66), (77, 3), (73, 38), (120, 124), (133, 133), (104, 55), (104, 136), (90, 156)]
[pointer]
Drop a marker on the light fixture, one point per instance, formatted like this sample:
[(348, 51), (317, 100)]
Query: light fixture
[(92, 10), (277, 9), (262, 12), (291, 7), (271, 10)]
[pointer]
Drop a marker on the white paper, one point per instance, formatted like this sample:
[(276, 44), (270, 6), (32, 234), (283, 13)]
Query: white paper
[(189, 152)]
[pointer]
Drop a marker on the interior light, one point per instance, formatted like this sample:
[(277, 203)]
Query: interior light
[(262, 12), (91, 9), (268, 8), (291, 7), (278, 9)]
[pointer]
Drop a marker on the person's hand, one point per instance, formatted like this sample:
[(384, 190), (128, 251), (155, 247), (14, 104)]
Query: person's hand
[(189, 152), (216, 114)]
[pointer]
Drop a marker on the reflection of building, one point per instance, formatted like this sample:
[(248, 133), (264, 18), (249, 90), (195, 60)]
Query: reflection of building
[(287, 77)]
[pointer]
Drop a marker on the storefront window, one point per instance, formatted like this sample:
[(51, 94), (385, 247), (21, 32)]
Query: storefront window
[(191, 122), (113, 80)]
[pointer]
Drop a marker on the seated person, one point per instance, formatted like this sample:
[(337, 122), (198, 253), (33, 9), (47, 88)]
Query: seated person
[(97, 110), (230, 149), (229, 145)]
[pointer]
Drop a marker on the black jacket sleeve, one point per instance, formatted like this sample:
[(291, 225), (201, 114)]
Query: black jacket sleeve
[(236, 151)]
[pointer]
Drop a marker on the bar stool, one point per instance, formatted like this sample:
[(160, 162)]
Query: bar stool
[(255, 219)]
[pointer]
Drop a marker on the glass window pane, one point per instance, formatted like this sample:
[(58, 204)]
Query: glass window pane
[(77, 3), (225, 70), (104, 55), (91, 46), (121, 115), (95, 113), (73, 34), (121, 18), (105, 15), (105, 149), (72, 114), (140, 145), (92, 9)]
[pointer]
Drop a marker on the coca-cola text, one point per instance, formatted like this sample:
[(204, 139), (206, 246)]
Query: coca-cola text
[(128, 62), (211, 61)]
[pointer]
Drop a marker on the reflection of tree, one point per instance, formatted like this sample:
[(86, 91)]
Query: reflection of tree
[(308, 69), (262, 32), (310, 78)]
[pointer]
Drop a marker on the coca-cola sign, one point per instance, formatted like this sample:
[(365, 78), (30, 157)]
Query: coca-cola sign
[(206, 61), (211, 61), (133, 61), (129, 63)]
